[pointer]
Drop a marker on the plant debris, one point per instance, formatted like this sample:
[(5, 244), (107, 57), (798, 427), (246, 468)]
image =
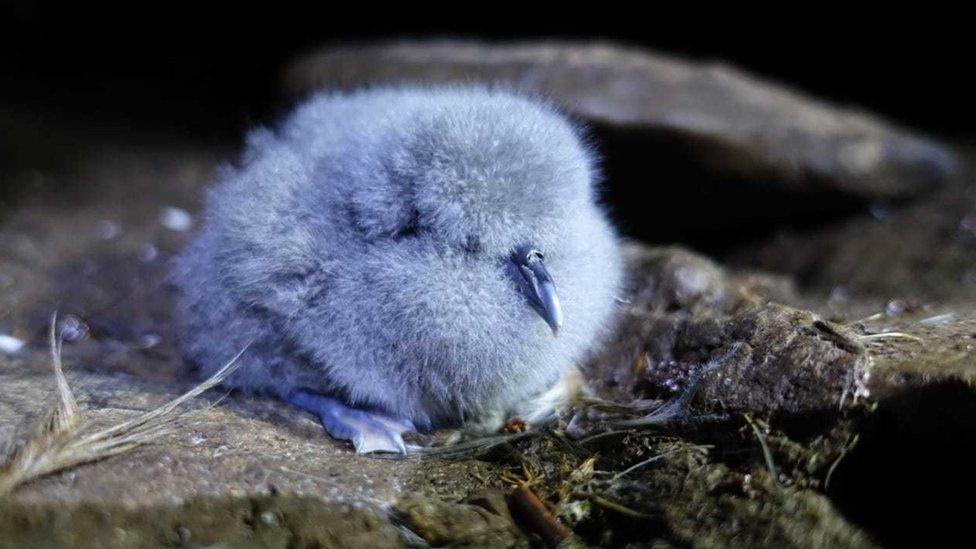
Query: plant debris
[(61, 442)]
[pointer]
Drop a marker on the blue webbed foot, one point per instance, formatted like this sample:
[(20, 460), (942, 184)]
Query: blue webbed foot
[(368, 431)]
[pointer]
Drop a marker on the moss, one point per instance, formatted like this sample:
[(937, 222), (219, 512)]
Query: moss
[(704, 487), (714, 507)]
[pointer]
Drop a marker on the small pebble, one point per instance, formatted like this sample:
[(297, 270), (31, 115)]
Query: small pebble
[(149, 341), (894, 308), (108, 229), (968, 223), (269, 519), (148, 253), (839, 294), (10, 344), (184, 534), (176, 219)]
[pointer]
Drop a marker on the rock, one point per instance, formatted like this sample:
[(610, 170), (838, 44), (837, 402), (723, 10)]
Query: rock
[(792, 361), (688, 311), (928, 353), (253, 521), (247, 471), (242, 446), (671, 278), (444, 524), (730, 120), (788, 360), (674, 278), (925, 250)]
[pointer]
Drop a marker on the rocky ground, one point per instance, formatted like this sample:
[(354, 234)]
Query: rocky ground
[(803, 384)]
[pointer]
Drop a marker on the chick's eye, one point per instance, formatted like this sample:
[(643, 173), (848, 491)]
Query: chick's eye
[(472, 244)]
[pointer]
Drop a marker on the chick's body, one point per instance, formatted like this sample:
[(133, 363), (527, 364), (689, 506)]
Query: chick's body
[(364, 250)]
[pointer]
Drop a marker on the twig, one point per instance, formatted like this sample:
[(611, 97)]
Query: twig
[(672, 410), (843, 453), (767, 454), (612, 505), (606, 434), (466, 449), (535, 516), (889, 335), (636, 466)]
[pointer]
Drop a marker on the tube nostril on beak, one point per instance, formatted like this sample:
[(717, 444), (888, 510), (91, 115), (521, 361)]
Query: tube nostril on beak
[(537, 285)]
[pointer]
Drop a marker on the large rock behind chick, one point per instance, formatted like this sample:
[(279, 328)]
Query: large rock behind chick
[(728, 119)]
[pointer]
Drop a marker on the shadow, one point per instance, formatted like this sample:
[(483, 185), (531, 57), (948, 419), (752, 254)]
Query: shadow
[(659, 191), (909, 478)]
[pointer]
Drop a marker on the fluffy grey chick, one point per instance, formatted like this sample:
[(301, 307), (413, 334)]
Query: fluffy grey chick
[(404, 258)]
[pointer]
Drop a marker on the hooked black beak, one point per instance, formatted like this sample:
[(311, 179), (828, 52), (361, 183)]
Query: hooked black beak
[(537, 285)]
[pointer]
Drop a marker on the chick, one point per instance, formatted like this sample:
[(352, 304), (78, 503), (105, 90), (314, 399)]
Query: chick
[(404, 259)]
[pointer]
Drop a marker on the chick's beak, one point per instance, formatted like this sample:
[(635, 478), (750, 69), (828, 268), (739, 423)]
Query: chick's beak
[(537, 285)]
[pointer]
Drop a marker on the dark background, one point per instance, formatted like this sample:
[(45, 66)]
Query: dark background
[(210, 72)]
